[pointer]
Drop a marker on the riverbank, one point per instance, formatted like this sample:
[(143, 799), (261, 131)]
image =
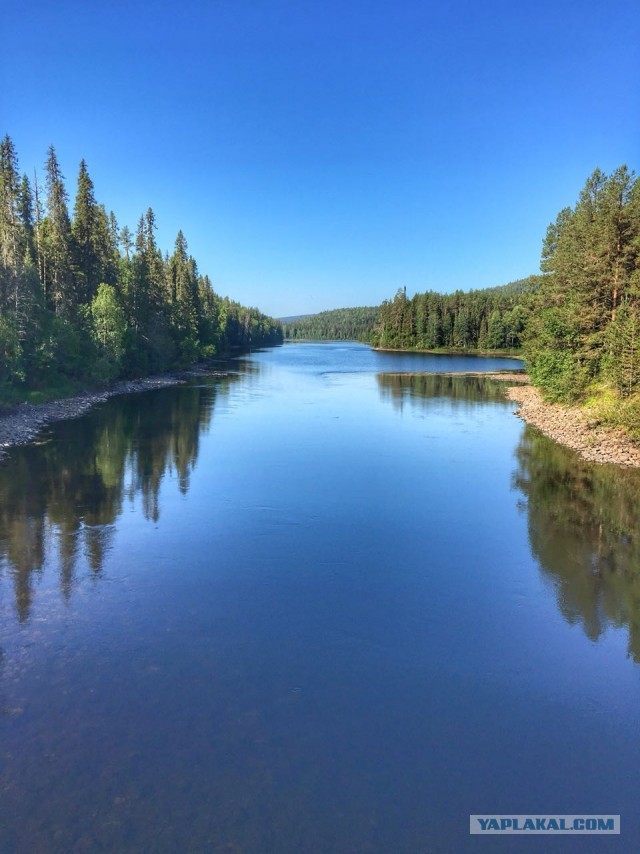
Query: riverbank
[(443, 351), (575, 427), (572, 426), (504, 376), (22, 423)]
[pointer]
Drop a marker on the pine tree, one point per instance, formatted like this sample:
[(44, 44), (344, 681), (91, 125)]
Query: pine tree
[(18, 281), (25, 212), (622, 365), (183, 294), (10, 254), (71, 304), (85, 234), (57, 242), (590, 260), (126, 241)]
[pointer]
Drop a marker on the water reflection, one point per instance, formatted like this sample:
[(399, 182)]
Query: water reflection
[(416, 389), (582, 518), (66, 494), (583, 529)]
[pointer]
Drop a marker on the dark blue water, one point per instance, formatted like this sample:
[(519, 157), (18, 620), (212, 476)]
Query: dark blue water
[(321, 605)]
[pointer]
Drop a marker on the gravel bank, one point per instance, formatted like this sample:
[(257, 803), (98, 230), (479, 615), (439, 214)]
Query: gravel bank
[(569, 425), (506, 376), (572, 426), (22, 424)]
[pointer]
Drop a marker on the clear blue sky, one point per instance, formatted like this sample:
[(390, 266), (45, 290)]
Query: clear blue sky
[(323, 154)]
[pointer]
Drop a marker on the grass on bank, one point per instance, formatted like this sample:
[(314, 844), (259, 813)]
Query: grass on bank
[(61, 387), (606, 406)]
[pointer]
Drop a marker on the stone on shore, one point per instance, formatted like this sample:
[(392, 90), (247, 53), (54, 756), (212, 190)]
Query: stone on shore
[(22, 424), (573, 427)]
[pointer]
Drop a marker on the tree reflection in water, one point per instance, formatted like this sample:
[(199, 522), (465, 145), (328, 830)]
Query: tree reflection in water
[(418, 388), (68, 493), (583, 530), (583, 519)]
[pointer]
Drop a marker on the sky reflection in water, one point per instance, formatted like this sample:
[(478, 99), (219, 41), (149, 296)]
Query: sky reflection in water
[(315, 606)]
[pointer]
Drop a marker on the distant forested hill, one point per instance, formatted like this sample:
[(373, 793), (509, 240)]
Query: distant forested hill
[(493, 318), (340, 324), (488, 319)]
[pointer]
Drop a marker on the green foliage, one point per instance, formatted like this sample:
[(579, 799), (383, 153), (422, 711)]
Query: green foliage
[(493, 318), (109, 326), (10, 352), (621, 364), (584, 327), (341, 324), (81, 300)]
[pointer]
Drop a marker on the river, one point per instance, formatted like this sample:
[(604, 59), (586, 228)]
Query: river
[(326, 604)]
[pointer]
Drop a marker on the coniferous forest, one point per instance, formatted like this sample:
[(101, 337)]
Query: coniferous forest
[(488, 319), (83, 299), (578, 323), (340, 324), (584, 329)]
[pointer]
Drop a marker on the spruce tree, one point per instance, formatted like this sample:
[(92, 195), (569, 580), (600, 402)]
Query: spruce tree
[(10, 254), (84, 231), (57, 242), (25, 212)]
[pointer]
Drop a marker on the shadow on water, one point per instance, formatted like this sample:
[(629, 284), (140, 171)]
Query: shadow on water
[(68, 492), (583, 530)]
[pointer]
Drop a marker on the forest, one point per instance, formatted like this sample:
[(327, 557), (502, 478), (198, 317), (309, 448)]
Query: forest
[(340, 324), (488, 319), (583, 335), (577, 324), (83, 300)]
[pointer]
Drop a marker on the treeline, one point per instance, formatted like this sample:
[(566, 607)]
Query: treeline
[(488, 319), (578, 323), (341, 324), (83, 299), (583, 337)]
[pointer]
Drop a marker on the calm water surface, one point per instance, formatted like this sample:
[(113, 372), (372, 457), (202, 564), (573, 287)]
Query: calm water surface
[(327, 604)]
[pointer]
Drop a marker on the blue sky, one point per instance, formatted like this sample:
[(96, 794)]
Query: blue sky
[(323, 154)]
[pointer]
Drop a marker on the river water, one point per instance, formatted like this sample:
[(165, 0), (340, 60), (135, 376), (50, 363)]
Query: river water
[(326, 604)]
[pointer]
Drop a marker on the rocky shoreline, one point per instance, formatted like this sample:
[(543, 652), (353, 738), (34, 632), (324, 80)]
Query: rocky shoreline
[(504, 376), (574, 427), (21, 425), (571, 426)]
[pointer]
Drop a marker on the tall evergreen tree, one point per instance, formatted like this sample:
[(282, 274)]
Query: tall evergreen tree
[(85, 235), (590, 258), (10, 243), (57, 242), (25, 212)]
